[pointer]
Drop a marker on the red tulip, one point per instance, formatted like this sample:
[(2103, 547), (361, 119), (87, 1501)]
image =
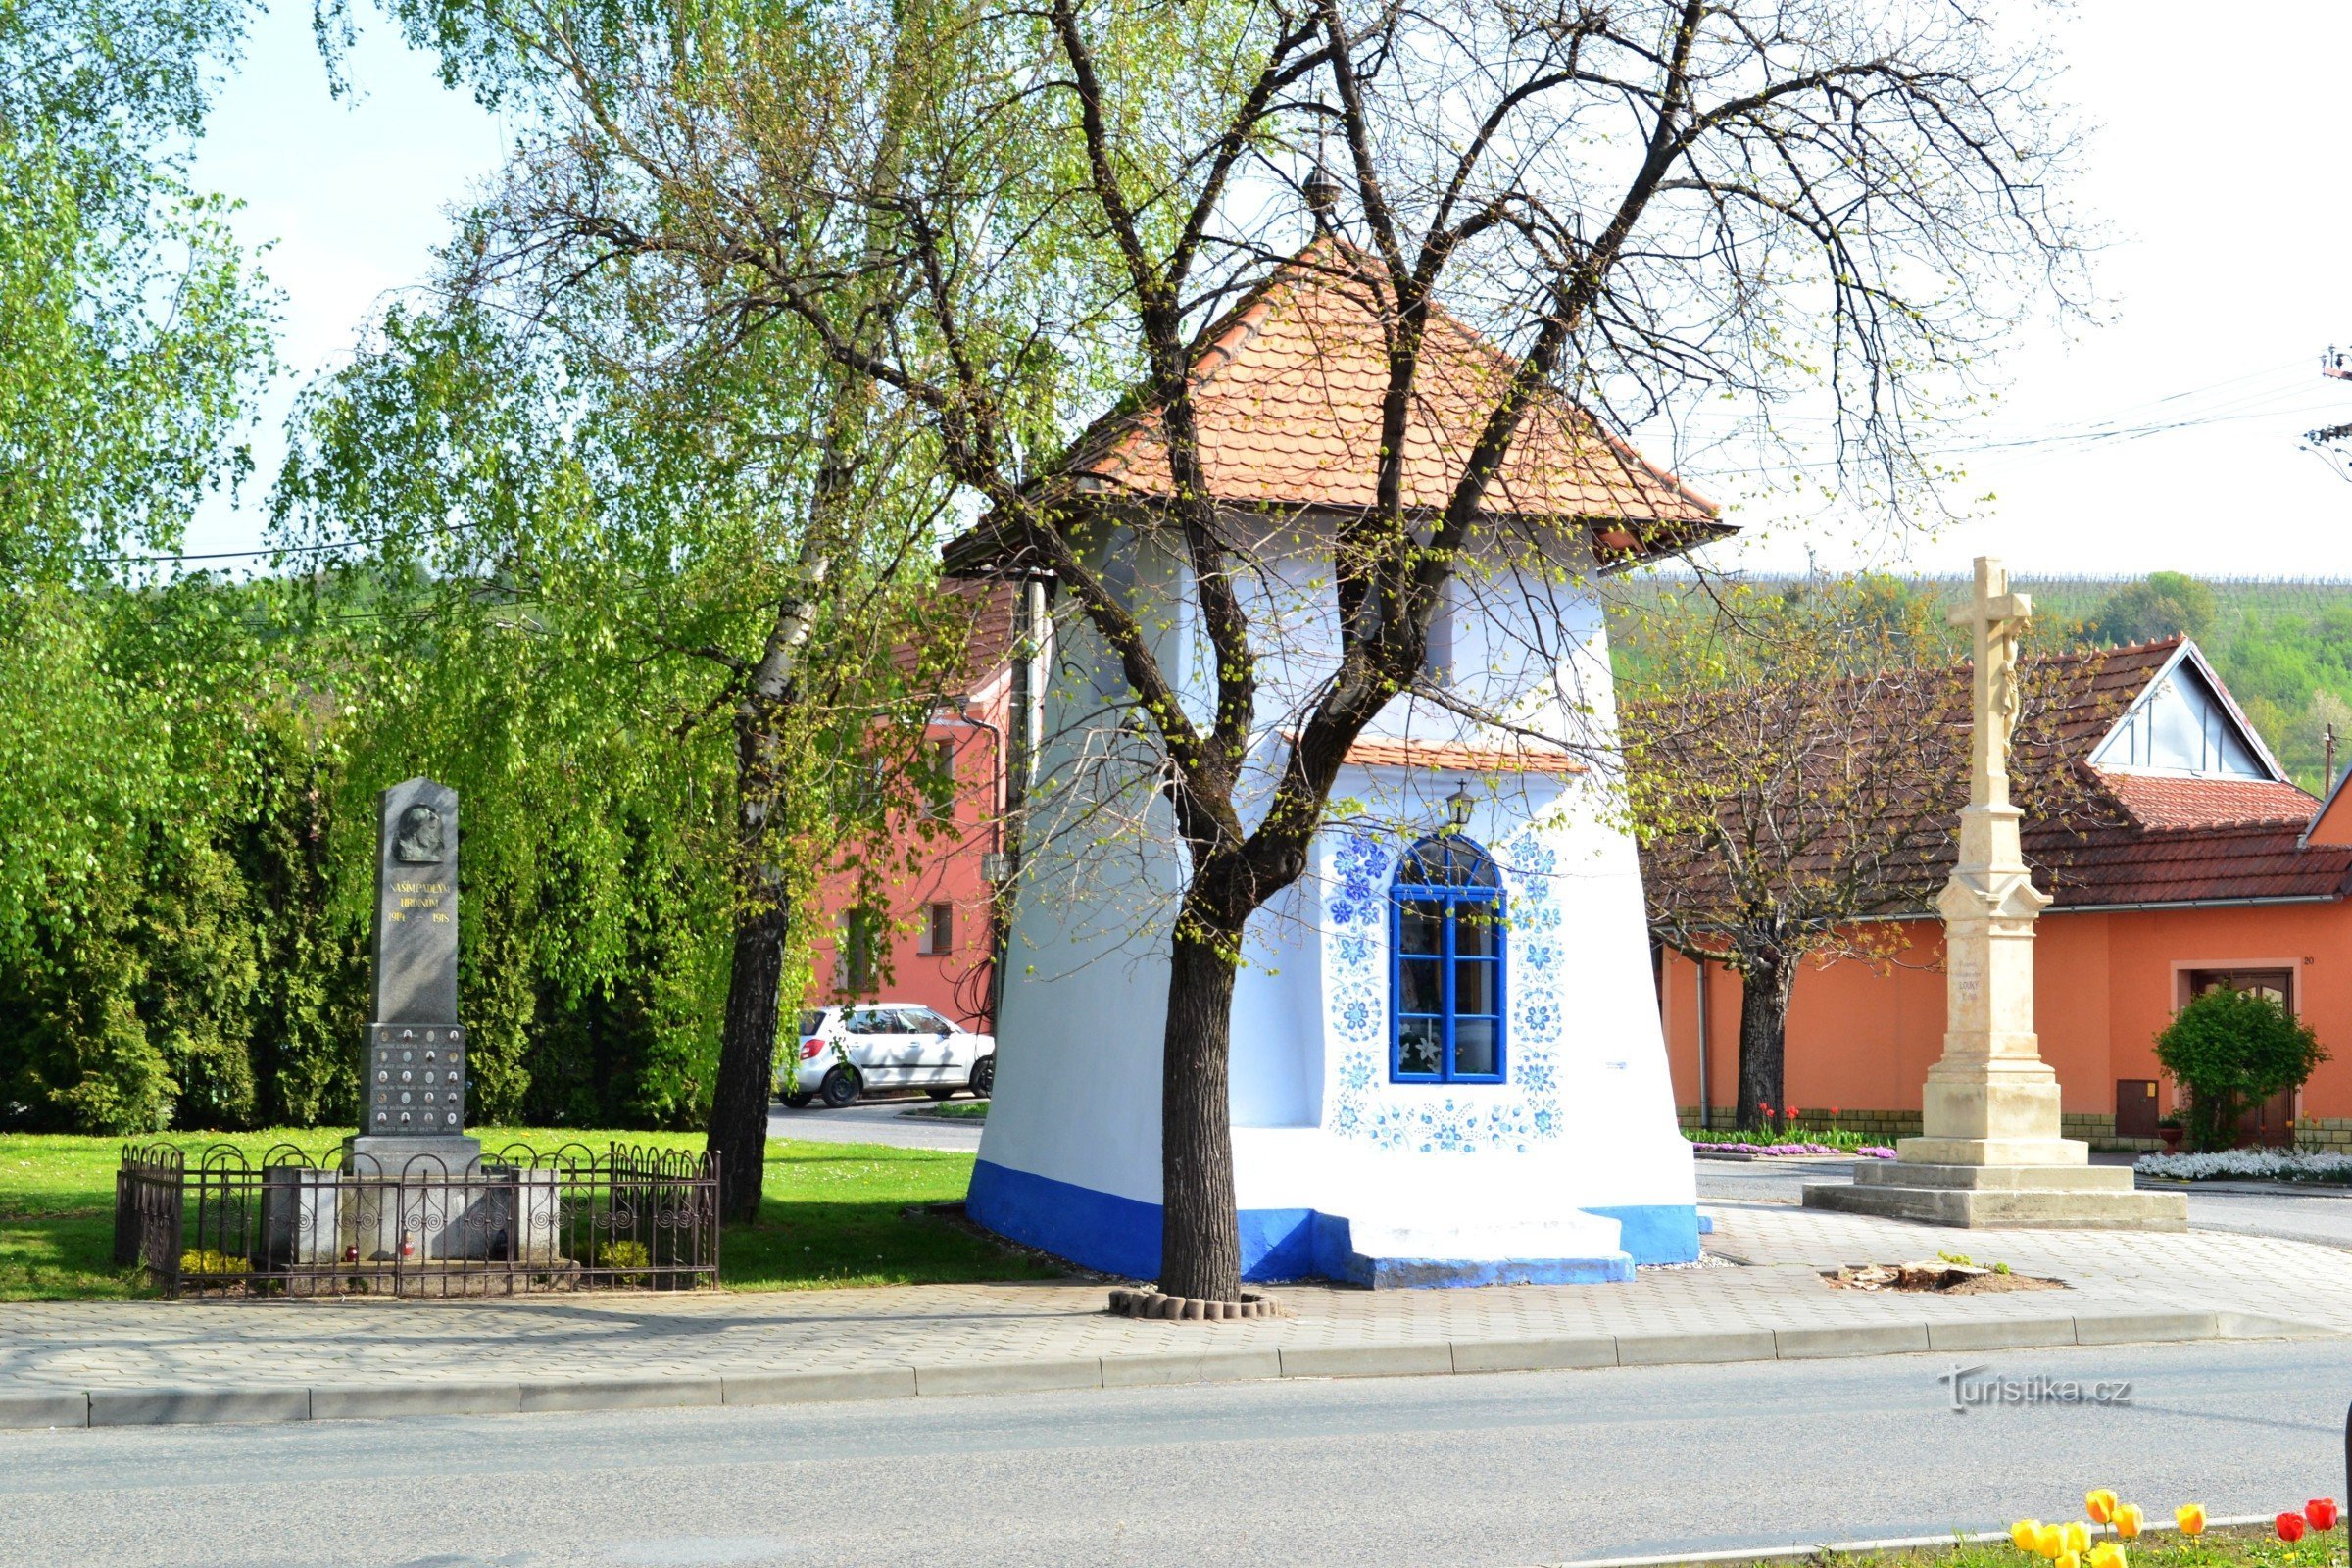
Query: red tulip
[(2322, 1512), (2290, 1526)]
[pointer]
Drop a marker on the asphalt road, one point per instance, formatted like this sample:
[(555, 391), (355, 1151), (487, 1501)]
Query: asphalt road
[(876, 1121), (1504, 1471), (2314, 1215)]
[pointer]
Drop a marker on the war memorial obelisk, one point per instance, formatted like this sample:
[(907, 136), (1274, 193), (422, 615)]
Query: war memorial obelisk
[(413, 1089), (1989, 1153)]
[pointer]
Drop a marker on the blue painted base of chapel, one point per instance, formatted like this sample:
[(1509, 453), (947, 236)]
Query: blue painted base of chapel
[(1121, 1236)]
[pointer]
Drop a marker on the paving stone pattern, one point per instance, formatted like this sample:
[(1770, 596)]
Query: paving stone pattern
[(388, 1344)]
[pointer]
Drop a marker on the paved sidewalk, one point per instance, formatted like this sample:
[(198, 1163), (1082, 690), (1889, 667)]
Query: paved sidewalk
[(128, 1363)]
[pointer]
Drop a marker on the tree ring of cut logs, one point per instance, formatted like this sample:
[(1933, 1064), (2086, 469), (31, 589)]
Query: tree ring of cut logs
[(1152, 1303)]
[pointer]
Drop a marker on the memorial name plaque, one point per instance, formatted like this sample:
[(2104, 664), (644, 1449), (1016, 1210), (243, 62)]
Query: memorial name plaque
[(416, 1065)]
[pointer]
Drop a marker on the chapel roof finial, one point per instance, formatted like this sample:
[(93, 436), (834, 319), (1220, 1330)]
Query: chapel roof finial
[(1322, 192)]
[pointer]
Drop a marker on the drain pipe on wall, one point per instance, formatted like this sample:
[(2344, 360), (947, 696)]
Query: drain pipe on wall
[(1705, 1121)]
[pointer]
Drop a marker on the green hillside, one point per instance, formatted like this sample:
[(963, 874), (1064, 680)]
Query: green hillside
[(2283, 646)]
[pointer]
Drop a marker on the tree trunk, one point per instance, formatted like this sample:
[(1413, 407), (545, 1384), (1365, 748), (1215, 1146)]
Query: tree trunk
[(1764, 991), (747, 1042), (1201, 1253), (746, 1045)]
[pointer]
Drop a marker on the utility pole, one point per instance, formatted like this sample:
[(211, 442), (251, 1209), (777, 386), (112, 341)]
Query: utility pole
[(2336, 365)]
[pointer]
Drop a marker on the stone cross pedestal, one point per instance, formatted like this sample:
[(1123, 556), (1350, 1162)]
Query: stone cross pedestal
[(1989, 1151)]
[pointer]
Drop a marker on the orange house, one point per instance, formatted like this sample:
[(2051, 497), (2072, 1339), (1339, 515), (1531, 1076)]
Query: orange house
[(933, 937), (2206, 866)]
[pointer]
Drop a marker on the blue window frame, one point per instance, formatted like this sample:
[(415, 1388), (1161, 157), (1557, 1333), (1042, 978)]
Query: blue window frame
[(1445, 966)]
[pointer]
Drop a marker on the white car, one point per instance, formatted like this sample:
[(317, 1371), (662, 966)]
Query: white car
[(887, 1044)]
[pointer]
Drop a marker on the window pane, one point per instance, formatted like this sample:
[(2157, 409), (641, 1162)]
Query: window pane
[(1419, 989), (1420, 1046), (1474, 1047), (1477, 930), (1474, 986), (1421, 928)]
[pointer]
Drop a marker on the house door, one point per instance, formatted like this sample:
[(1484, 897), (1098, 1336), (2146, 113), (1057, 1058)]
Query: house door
[(2135, 1107), (2272, 1123)]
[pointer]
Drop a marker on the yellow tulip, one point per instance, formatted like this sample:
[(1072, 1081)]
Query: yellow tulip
[(2107, 1554), (2049, 1540), (2190, 1517), (2067, 1559), (2024, 1534), (2099, 1503), (2128, 1519), (2078, 1538)]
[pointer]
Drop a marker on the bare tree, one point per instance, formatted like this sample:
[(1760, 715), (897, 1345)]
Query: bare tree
[(1645, 201), (1799, 766)]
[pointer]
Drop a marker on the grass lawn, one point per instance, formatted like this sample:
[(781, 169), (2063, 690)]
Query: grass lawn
[(833, 1213), (2216, 1548)]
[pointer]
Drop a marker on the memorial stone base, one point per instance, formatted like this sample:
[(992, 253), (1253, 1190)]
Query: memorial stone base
[(415, 1201)]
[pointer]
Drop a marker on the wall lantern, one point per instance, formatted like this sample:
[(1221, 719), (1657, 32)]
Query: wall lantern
[(1458, 806)]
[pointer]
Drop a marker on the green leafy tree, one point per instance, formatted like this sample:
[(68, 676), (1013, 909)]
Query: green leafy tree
[(2165, 604), (132, 329), (2233, 1049), (670, 596)]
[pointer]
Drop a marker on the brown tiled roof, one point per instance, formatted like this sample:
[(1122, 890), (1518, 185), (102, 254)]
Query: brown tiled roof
[(2128, 838), (1460, 759), (2156, 800), (1288, 393), (1288, 399), (2179, 865)]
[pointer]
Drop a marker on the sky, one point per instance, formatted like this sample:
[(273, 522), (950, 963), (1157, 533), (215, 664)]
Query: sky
[(2166, 438)]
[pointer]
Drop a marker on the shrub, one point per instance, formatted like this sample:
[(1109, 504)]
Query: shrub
[(206, 1260), (2231, 1049), (619, 1254)]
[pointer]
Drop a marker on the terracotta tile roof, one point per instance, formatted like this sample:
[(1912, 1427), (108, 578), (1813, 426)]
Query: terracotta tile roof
[(2156, 800), (2137, 866), (1460, 759), (1289, 398), (2129, 838), (1288, 395)]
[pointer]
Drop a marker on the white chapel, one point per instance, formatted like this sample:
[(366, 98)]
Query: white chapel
[(1446, 1062)]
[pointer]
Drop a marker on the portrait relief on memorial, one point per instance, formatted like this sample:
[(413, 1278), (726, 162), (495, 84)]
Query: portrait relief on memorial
[(421, 839)]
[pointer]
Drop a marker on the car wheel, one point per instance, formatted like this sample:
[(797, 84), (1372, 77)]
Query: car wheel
[(941, 1094), (798, 1101), (984, 1076), (840, 1087)]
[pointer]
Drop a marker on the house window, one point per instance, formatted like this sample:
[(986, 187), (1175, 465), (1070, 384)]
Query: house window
[(939, 781), (1445, 980), (1437, 659), (858, 961), (939, 930)]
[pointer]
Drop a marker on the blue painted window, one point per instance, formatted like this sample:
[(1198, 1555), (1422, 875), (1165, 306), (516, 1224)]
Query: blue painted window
[(1446, 1001)]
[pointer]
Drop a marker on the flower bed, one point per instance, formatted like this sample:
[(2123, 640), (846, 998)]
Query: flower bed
[(2259, 1164), (1764, 1150)]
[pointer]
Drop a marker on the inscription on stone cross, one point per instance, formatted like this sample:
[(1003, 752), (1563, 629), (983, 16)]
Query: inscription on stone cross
[(416, 1068)]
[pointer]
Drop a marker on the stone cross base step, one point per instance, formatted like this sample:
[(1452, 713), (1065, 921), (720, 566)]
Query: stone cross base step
[(2038, 1196)]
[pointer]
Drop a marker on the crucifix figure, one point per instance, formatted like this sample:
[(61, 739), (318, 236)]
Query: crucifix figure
[(1997, 617)]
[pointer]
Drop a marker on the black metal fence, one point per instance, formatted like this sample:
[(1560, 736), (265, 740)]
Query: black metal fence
[(570, 1219)]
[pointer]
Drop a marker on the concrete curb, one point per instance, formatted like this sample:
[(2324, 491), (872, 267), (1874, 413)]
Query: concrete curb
[(25, 1408)]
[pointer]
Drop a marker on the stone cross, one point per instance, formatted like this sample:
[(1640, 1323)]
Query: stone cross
[(1997, 617), (416, 1065)]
